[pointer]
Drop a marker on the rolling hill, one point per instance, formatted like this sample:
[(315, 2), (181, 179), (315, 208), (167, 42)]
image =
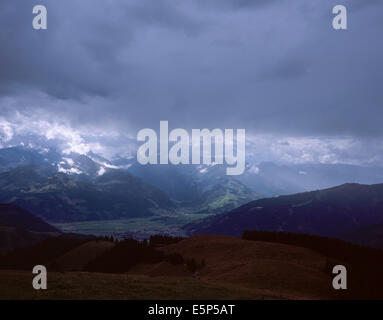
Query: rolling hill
[(15, 217), (247, 269), (285, 271), (258, 266), (19, 228)]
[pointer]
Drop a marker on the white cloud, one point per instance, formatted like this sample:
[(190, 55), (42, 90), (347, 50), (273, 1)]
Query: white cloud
[(298, 150), (40, 130), (6, 131)]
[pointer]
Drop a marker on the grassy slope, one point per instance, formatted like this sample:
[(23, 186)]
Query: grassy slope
[(283, 270), (79, 257), (17, 285)]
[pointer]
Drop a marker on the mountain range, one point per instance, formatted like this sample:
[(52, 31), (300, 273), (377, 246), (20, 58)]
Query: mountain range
[(67, 187), (79, 187), (58, 197)]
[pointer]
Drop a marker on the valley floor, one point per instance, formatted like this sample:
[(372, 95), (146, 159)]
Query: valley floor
[(137, 228)]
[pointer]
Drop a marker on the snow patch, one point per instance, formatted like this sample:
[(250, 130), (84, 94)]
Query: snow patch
[(68, 171), (101, 171), (254, 170), (69, 161), (203, 170)]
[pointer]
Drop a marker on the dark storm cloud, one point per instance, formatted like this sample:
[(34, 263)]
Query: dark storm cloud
[(78, 54), (361, 4), (274, 67), (235, 4), (285, 69)]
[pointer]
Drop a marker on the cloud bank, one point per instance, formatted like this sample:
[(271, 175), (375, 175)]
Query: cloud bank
[(275, 68)]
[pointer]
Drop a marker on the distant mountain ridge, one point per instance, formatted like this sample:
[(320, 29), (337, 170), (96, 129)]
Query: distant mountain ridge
[(272, 179), (59, 197), (204, 189), (329, 212), (191, 189)]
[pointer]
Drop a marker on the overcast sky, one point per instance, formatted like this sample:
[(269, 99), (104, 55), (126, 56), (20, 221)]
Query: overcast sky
[(107, 68)]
